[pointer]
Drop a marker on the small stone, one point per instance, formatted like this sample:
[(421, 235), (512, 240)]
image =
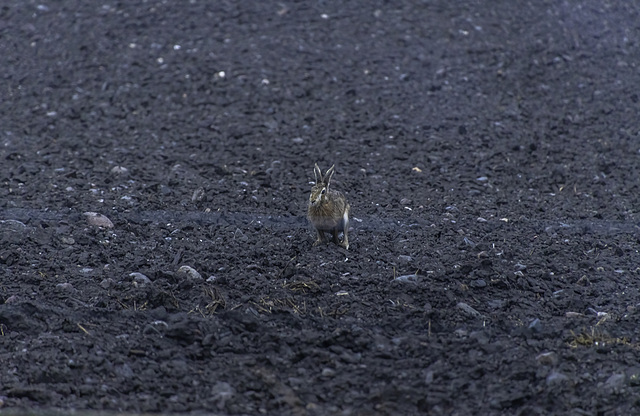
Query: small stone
[(616, 382), (407, 278), (535, 327), (428, 378), (556, 379), (119, 170), (12, 299), (480, 336), (139, 279), (65, 287), (469, 310), (107, 283), (404, 258), (12, 225), (164, 190), (98, 220), (328, 372), (68, 240), (634, 376), (461, 332), (497, 303), (405, 201), (187, 272), (478, 283), (212, 279), (547, 358), (13, 232), (198, 194), (221, 392), (123, 370), (239, 235)]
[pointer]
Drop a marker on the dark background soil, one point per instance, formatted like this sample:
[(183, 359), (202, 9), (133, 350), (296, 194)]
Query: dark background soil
[(489, 151)]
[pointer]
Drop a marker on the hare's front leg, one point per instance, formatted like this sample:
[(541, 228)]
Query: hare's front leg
[(335, 232), (345, 231), (320, 237)]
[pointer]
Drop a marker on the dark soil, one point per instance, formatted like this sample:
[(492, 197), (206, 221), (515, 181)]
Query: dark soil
[(489, 151)]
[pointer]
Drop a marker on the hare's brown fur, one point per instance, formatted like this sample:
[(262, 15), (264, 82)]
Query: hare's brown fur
[(328, 210)]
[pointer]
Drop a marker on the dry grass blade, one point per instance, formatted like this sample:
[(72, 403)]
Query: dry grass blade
[(304, 287), (595, 338), (269, 305), (217, 300)]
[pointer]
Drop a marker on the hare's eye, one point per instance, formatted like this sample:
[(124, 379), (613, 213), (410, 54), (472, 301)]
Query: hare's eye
[(323, 191)]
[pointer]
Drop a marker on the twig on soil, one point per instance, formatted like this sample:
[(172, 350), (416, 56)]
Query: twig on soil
[(266, 305), (136, 307), (302, 286), (285, 266), (216, 300), (339, 311), (83, 329)]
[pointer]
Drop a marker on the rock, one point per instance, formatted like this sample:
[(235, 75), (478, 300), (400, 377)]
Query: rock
[(119, 170), (480, 336), (616, 382), (634, 376), (221, 392), (198, 194), (478, 283), (9, 257), (239, 235), (12, 299), (547, 358), (404, 259), (535, 326), (461, 332), (520, 266), (407, 278), (187, 272), (12, 225), (67, 240), (13, 232), (328, 372), (98, 220), (107, 283), (65, 287), (497, 303), (140, 279), (469, 310), (556, 379), (124, 371)]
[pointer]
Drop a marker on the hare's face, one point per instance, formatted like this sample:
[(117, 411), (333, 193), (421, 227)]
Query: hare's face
[(318, 193)]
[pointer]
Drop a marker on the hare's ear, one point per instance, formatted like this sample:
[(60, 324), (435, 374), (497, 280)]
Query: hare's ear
[(328, 174), (317, 173)]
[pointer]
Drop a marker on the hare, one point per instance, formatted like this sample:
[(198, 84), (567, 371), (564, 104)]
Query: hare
[(328, 210)]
